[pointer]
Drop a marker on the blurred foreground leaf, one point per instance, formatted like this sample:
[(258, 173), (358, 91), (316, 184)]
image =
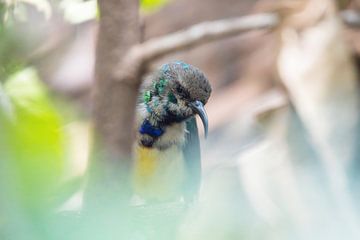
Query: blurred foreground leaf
[(33, 140)]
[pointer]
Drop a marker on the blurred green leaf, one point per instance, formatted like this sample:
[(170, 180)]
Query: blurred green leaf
[(152, 5), (34, 139)]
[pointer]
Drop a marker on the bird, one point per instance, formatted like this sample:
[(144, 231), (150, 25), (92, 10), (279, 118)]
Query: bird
[(167, 148)]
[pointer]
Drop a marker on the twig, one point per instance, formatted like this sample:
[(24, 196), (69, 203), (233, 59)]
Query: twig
[(191, 37), (202, 33), (205, 32)]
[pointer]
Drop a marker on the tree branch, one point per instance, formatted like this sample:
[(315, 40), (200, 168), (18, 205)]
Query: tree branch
[(202, 33), (114, 106), (198, 34)]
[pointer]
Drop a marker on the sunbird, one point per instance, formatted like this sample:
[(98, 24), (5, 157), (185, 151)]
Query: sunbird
[(167, 149)]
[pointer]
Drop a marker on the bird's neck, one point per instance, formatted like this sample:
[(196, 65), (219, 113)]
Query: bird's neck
[(152, 130), (159, 118), (158, 130)]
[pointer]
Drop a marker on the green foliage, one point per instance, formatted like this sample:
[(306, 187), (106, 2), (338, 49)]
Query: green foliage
[(152, 5), (33, 140)]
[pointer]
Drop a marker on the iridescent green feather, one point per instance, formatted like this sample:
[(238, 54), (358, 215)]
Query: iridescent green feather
[(147, 96)]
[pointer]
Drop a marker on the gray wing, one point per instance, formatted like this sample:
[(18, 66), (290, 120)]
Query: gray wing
[(191, 151)]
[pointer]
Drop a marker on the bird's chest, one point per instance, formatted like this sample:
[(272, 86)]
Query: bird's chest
[(158, 174)]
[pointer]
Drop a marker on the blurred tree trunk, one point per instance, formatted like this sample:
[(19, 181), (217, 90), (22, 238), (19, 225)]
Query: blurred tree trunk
[(114, 102)]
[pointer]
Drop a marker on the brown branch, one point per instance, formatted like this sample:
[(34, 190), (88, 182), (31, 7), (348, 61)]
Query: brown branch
[(114, 106), (202, 33), (198, 34)]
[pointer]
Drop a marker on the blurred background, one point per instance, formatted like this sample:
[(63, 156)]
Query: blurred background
[(282, 157)]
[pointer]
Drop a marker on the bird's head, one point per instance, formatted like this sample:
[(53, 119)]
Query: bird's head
[(177, 92)]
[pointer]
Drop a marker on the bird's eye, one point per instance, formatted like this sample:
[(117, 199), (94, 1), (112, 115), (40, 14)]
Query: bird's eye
[(180, 90), (172, 98)]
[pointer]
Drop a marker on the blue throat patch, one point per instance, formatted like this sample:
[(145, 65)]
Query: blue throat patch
[(147, 128)]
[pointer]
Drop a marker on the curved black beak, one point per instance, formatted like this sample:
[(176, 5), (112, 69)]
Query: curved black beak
[(198, 107)]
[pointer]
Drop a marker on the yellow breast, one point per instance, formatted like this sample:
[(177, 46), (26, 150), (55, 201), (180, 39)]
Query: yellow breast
[(158, 175)]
